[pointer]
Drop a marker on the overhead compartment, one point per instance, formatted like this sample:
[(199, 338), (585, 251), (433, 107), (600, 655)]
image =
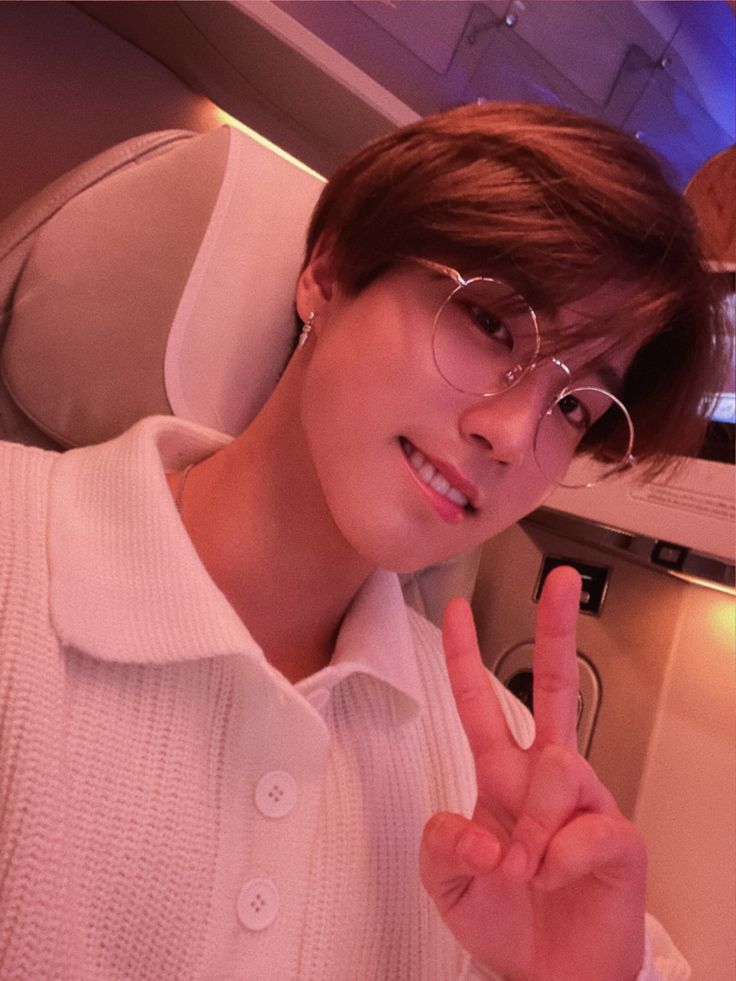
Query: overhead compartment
[(654, 69)]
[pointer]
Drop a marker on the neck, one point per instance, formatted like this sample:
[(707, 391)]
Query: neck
[(258, 520)]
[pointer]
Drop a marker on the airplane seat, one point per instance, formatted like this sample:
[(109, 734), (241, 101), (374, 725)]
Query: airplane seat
[(158, 277), (155, 278)]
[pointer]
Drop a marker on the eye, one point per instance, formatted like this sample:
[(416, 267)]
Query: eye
[(575, 412), (490, 324)]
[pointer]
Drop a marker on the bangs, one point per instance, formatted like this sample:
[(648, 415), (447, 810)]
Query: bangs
[(631, 320), (559, 207)]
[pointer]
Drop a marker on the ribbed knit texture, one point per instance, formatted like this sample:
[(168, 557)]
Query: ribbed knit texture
[(128, 820), (128, 825)]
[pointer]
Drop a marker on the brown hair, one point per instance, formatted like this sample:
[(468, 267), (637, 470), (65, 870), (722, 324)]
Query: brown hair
[(557, 205)]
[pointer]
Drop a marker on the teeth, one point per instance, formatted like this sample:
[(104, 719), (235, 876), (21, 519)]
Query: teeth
[(434, 479), (440, 484)]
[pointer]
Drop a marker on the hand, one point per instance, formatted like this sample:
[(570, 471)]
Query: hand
[(546, 881)]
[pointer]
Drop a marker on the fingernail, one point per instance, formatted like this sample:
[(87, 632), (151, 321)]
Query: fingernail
[(515, 862)]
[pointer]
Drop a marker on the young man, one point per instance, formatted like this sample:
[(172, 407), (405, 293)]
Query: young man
[(229, 748)]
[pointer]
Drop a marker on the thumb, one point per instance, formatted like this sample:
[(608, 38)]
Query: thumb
[(453, 850)]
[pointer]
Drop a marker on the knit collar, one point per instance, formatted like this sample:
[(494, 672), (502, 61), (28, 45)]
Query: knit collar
[(127, 584)]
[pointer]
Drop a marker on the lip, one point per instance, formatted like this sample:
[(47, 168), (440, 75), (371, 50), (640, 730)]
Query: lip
[(448, 510)]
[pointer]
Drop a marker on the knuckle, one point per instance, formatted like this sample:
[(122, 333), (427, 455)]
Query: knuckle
[(604, 832), (610, 835), (566, 763), (436, 828), (468, 693), (555, 681), (443, 832), (532, 831)]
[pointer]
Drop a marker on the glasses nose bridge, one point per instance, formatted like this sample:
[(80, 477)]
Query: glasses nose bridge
[(507, 421), (552, 383), (517, 378), (555, 392)]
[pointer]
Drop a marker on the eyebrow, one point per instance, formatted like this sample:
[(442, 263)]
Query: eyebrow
[(609, 377), (600, 371)]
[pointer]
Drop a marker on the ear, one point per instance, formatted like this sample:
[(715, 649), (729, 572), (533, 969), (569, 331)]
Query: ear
[(317, 282)]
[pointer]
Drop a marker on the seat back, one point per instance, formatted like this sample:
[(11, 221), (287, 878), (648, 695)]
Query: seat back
[(156, 278), (159, 277)]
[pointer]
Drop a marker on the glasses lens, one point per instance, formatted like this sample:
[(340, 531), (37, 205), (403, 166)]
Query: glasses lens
[(580, 418), (485, 338)]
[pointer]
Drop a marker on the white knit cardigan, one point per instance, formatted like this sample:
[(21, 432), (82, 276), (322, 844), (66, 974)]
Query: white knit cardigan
[(141, 727)]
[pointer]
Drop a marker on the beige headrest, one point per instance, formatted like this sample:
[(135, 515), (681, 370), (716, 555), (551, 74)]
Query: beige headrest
[(164, 283)]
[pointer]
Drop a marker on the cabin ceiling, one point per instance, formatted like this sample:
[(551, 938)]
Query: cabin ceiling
[(666, 71), (663, 70)]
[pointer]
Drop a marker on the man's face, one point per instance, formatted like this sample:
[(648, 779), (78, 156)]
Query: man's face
[(412, 470)]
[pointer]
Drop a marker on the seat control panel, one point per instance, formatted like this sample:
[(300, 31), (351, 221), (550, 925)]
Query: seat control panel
[(594, 577)]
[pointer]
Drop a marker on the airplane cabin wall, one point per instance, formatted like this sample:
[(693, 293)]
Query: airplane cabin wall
[(72, 88), (686, 807), (663, 734)]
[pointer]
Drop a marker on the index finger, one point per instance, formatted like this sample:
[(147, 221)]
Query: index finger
[(477, 705), (556, 675)]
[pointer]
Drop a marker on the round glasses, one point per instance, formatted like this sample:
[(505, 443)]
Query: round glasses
[(577, 417), (485, 337), (485, 340)]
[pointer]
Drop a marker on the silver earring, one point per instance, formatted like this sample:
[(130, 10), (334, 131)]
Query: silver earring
[(306, 329)]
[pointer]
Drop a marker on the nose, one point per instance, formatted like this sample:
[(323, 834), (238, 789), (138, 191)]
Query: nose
[(505, 424)]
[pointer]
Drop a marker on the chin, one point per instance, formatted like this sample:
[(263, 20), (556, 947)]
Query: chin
[(405, 557)]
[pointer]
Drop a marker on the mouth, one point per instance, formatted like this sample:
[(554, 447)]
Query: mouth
[(440, 483)]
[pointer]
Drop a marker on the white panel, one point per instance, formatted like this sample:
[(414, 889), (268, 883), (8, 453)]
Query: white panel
[(706, 71), (664, 17), (577, 40), (693, 506), (431, 30), (312, 48), (511, 69), (687, 800), (676, 126)]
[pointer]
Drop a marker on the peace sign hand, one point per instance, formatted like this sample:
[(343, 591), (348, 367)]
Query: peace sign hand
[(546, 881)]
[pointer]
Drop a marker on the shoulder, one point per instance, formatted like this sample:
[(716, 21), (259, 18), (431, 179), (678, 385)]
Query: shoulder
[(24, 478), (19, 452), (18, 460), (25, 473)]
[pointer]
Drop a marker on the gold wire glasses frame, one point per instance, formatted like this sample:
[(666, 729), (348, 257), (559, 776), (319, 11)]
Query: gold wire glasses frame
[(501, 348)]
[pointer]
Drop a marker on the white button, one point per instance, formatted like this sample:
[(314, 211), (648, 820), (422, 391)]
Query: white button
[(258, 904), (276, 794)]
